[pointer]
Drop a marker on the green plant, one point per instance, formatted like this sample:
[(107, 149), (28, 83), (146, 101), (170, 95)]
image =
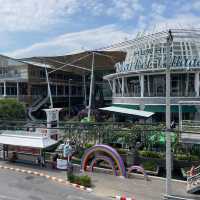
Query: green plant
[(84, 180), (121, 151), (186, 157), (150, 165), (87, 145), (79, 154), (12, 109), (71, 177), (151, 154)]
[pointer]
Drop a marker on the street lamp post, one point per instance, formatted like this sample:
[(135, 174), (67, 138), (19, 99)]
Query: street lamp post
[(168, 115), (69, 101)]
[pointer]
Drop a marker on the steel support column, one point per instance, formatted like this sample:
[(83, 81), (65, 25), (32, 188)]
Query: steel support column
[(91, 87), (49, 88), (142, 85), (4, 88), (196, 84)]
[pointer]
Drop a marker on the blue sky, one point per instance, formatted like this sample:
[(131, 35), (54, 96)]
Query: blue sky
[(54, 27)]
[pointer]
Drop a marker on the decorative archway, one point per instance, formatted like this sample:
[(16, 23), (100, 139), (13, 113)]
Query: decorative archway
[(139, 169), (102, 149), (106, 159)]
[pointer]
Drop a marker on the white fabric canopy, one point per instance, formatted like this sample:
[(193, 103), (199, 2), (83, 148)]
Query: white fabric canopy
[(26, 140), (129, 111)]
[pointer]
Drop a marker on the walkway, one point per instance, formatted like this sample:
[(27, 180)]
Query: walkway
[(109, 186)]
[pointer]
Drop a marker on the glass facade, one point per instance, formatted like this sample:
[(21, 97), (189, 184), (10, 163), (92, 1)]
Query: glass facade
[(132, 86), (182, 85), (154, 86)]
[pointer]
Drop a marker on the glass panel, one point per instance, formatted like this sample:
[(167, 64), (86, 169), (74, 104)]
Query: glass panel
[(154, 85), (132, 86)]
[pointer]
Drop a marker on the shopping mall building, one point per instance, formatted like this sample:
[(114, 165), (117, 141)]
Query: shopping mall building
[(140, 81)]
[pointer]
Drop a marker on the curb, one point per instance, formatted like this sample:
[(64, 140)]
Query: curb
[(53, 178), (124, 198)]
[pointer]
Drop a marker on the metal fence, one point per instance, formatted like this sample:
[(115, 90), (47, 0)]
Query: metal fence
[(122, 135)]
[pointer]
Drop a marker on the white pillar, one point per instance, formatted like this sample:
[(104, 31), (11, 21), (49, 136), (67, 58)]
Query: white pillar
[(168, 117), (85, 91), (122, 86), (69, 97), (180, 118), (56, 90), (196, 84), (17, 89), (4, 90), (114, 88), (168, 134), (142, 85)]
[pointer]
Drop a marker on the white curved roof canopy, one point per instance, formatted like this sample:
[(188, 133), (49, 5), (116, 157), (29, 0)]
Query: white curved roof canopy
[(23, 138), (128, 111)]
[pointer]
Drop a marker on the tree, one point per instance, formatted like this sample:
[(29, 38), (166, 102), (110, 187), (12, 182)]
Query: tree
[(12, 109)]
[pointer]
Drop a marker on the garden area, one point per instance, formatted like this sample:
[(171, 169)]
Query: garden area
[(142, 145)]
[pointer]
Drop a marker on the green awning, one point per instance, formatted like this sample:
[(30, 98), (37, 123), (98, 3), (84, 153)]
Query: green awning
[(136, 107), (174, 108)]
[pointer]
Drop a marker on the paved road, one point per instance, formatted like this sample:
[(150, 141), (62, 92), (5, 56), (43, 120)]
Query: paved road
[(104, 186), (19, 186)]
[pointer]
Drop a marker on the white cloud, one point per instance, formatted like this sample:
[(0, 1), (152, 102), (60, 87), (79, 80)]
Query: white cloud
[(71, 42), (178, 21), (158, 8), (29, 15), (125, 9)]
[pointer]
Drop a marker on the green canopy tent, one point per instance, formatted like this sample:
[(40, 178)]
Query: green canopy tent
[(159, 138)]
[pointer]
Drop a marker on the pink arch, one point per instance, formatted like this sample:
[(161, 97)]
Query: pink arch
[(103, 158), (139, 169)]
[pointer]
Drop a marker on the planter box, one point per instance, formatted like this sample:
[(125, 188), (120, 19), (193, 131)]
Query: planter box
[(155, 173), (185, 163), (158, 161)]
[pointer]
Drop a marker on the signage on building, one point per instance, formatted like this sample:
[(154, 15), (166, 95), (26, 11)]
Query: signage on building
[(156, 59)]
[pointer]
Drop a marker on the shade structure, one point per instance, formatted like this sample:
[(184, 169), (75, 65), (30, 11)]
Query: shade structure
[(80, 62), (128, 111), (25, 139)]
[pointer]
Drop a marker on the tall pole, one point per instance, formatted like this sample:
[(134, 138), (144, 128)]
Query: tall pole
[(49, 89), (168, 115), (91, 87), (85, 91), (69, 102)]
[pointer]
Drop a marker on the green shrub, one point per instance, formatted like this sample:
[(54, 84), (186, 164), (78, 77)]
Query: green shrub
[(71, 177), (87, 145), (79, 154), (121, 151), (12, 109), (186, 157), (151, 154), (84, 180), (150, 165)]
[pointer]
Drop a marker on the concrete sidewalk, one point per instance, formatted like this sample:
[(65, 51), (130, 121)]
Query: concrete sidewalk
[(106, 185)]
